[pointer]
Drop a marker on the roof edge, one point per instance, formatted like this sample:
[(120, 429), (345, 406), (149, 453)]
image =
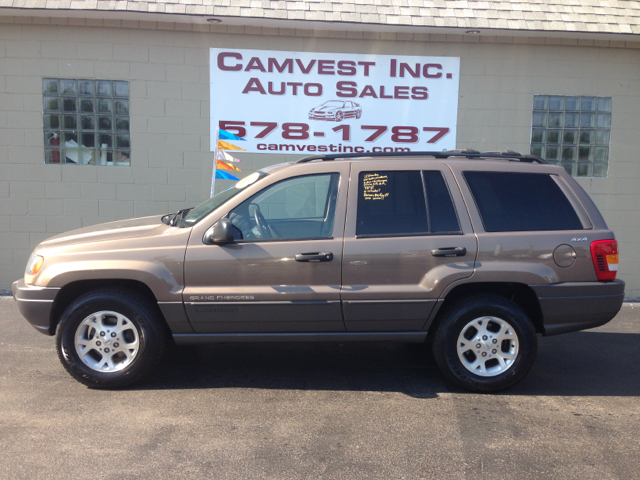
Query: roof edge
[(314, 28)]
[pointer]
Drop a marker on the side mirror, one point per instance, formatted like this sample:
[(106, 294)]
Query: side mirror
[(221, 233)]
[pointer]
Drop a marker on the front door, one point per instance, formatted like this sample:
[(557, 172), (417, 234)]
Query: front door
[(283, 273), (407, 237)]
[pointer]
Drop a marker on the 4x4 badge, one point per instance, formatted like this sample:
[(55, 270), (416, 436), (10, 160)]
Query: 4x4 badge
[(576, 239)]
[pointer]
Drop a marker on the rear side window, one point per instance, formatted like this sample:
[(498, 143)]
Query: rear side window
[(517, 202), (442, 214), (393, 203)]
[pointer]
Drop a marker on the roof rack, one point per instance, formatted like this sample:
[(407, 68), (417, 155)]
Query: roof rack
[(467, 152)]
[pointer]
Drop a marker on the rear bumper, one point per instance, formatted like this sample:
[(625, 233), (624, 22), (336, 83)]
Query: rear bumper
[(35, 304), (573, 306)]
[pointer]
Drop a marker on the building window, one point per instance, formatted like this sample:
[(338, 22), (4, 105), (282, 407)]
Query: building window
[(572, 131), (86, 122)]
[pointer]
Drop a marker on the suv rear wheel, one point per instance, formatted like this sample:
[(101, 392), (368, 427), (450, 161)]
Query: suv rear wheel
[(484, 343), (110, 338)]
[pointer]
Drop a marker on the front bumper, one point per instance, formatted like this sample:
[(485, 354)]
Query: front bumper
[(572, 306), (35, 304), (322, 116)]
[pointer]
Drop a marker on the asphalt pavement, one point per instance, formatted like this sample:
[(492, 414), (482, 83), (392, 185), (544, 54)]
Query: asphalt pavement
[(329, 411)]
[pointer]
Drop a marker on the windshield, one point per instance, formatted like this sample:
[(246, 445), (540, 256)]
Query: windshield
[(333, 103), (208, 206)]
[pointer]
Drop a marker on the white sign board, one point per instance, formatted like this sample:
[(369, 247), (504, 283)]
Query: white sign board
[(314, 103)]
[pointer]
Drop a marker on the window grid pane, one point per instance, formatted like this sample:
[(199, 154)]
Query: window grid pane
[(572, 131), (80, 122)]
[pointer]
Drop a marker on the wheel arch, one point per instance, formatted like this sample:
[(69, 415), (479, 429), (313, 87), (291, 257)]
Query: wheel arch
[(519, 293), (73, 290)]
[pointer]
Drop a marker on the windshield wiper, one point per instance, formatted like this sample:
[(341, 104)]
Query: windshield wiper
[(172, 219)]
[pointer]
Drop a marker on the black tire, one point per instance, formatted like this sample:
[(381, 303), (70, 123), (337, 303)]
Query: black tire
[(145, 316), (454, 319)]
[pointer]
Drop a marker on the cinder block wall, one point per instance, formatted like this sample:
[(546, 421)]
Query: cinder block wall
[(167, 67)]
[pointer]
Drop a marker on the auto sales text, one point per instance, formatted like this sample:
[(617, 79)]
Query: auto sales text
[(234, 62)]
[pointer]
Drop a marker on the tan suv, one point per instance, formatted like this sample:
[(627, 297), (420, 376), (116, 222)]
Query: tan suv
[(479, 252)]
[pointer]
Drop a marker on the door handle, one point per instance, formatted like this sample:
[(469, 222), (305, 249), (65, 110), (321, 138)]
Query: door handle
[(314, 257), (449, 252)]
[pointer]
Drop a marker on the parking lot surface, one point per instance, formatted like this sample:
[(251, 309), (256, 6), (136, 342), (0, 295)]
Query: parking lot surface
[(350, 411)]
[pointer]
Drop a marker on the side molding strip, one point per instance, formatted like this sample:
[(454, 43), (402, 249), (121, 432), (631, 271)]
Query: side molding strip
[(204, 338), (31, 300), (415, 300), (274, 302)]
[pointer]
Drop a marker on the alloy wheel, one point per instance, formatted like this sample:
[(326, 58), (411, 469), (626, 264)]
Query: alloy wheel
[(107, 341), (487, 346)]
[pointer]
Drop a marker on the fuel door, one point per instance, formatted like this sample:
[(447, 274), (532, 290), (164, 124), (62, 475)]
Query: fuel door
[(564, 256)]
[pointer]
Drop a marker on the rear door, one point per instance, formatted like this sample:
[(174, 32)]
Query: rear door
[(407, 237)]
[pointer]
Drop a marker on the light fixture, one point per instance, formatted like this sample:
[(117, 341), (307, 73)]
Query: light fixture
[(472, 32), (214, 20)]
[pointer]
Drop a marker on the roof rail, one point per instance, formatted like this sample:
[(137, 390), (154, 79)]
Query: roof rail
[(468, 153)]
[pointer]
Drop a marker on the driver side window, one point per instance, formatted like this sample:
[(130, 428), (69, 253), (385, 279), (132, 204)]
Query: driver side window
[(296, 208)]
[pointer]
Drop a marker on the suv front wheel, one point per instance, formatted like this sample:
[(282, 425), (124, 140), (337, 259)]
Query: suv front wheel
[(484, 343), (110, 338)]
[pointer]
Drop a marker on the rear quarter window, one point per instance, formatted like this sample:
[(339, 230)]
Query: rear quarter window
[(517, 202)]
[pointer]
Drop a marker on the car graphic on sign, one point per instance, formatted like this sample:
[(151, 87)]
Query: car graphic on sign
[(336, 110)]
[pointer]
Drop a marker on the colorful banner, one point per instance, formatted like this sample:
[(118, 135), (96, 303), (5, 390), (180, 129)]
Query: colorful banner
[(224, 135), (226, 166), (225, 157), (222, 145), (310, 103), (222, 175)]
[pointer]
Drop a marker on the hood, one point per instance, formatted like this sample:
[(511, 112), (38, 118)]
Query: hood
[(325, 109), (134, 227)]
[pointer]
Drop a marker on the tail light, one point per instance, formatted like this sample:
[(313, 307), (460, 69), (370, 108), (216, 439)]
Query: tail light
[(605, 259)]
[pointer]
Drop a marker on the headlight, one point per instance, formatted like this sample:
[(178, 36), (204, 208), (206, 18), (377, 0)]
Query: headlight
[(33, 267)]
